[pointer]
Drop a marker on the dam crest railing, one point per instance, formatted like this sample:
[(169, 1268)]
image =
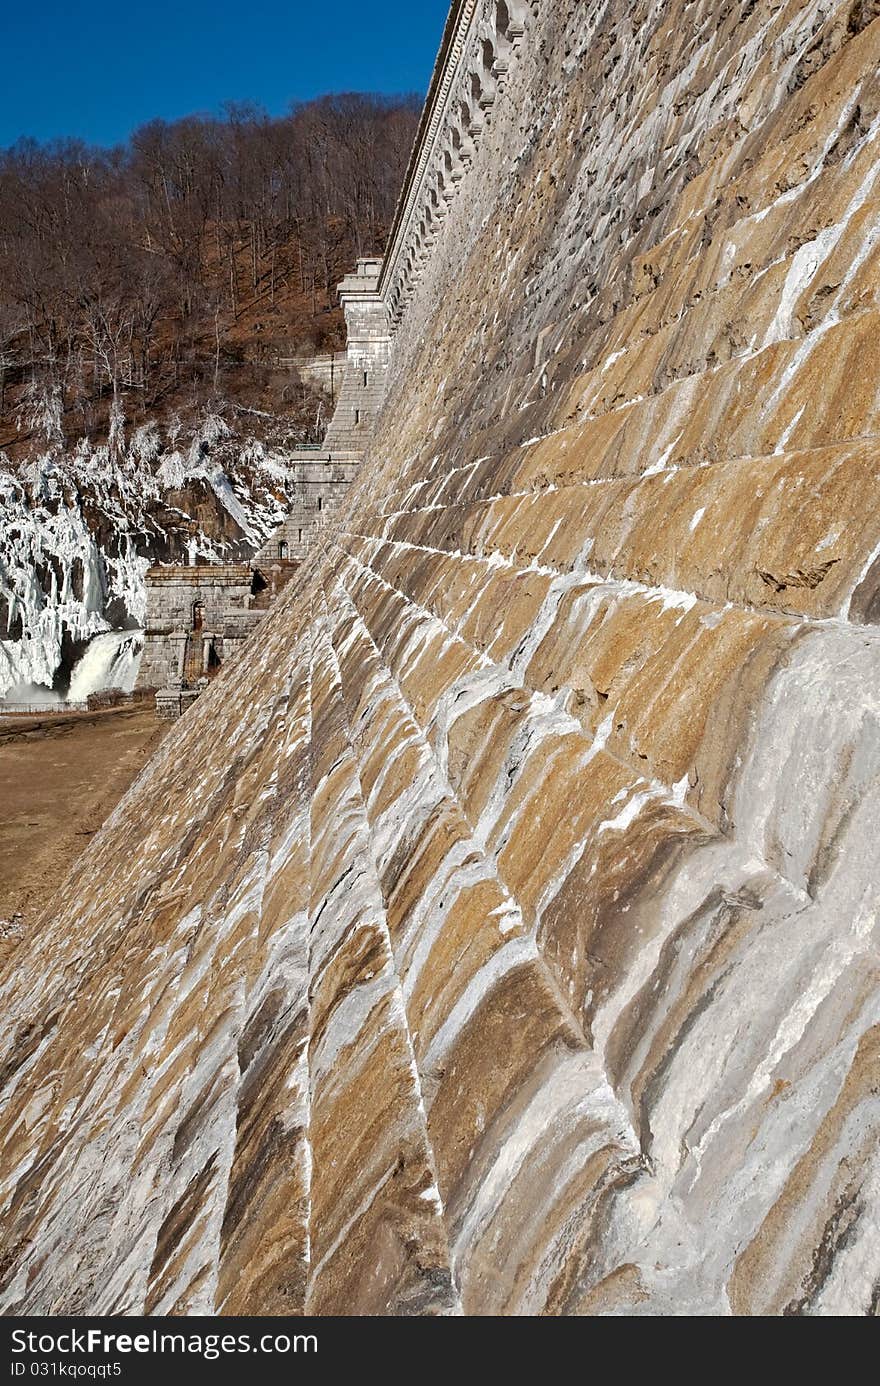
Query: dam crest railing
[(478, 45)]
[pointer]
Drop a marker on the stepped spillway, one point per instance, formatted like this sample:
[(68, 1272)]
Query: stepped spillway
[(498, 933)]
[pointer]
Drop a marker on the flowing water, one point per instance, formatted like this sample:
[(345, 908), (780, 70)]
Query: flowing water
[(110, 661)]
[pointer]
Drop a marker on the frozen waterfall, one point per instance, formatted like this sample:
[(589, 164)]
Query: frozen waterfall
[(110, 661)]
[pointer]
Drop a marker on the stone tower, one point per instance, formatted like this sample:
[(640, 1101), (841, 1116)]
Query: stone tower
[(324, 472)]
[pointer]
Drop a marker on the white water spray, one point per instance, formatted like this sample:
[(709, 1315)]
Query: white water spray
[(110, 661)]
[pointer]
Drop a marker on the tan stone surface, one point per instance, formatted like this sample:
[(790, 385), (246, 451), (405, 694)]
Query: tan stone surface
[(500, 935)]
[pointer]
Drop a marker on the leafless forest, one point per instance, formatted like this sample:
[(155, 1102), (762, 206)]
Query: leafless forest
[(186, 265)]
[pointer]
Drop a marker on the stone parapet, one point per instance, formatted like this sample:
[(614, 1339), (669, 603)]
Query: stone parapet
[(200, 575), (171, 703), (478, 46)]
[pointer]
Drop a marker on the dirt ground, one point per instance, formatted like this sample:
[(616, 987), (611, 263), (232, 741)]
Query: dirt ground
[(60, 776)]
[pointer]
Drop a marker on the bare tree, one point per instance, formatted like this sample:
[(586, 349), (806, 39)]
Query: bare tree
[(179, 265)]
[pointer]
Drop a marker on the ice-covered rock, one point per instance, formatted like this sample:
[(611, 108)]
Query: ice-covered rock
[(79, 528)]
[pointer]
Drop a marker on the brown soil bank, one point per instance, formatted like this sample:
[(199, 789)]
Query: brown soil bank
[(60, 776)]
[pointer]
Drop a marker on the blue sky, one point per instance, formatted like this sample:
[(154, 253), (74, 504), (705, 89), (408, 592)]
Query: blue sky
[(96, 69)]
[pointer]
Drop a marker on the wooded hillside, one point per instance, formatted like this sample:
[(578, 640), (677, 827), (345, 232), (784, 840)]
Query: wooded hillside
[(185, 266)]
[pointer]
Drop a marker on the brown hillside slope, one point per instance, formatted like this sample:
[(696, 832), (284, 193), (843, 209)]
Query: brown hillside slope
[(499, 934)]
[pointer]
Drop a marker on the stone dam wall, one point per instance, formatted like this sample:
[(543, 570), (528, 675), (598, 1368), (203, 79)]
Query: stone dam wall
[(499, 936)]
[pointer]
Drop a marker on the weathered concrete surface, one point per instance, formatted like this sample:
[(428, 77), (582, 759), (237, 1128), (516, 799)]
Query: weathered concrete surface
[(501, 936)]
